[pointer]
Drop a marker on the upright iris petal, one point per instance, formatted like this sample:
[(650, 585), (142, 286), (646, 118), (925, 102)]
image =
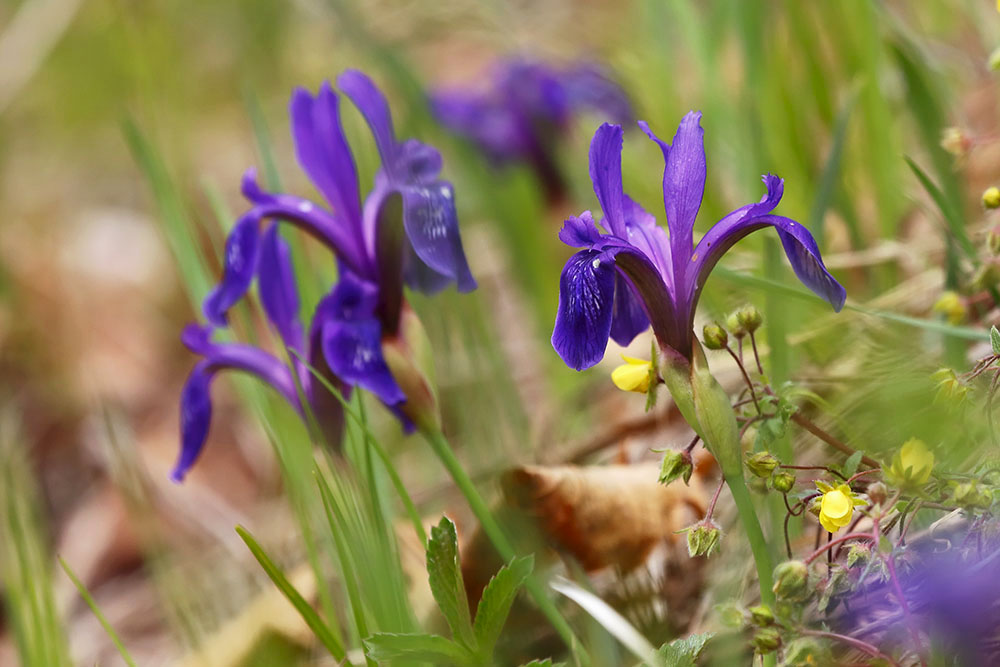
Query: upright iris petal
[(633, 275)]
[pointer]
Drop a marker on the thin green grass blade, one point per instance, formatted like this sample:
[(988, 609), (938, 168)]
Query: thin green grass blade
[(95, 608), (830, 175), (309, 614)]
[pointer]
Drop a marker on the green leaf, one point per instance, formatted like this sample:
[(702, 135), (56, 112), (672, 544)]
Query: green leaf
[(995, 339), (446, 581), (388, 646), (685, 651), (89, 599), (851, 464), (498, 596), (309, 614), (547, 662)]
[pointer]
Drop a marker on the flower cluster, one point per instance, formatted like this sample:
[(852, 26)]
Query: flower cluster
[(404, 232)]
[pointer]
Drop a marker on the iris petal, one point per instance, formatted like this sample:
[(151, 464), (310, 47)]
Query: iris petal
[(586, 306), (196, 417), (353, 349), (278, 293), (629, 318), (606, 176), (431, 224), (373, 106), (242, 248)]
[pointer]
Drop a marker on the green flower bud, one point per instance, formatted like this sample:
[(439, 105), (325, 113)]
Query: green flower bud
[(408, 357), (993, 240), (985, 277), (730, 614), (782, 481), (859, 552), (971, 495), (912, 465), (806, 652), (715, 337), (676, 464), (750, 318), (761, 615), (704, 539), (766, 640), (734, 326), (762, 464), (791, 580), (991, 197)]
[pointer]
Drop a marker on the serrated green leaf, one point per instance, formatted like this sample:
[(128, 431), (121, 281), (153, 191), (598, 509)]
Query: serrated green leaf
[(684, 652), (388, 646), (851, 464), (547, 662), (995, 339), (498, 596), (445, 578)]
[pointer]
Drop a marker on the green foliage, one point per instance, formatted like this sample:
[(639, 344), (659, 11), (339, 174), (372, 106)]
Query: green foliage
[(498, 596), (92, 603), (445, 579), (684, 652), (432, 648)]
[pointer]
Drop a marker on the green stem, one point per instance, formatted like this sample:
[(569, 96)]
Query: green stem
[(493, 530), (761, 554)]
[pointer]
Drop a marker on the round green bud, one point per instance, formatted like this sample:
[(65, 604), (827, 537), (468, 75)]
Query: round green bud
[(766, 640), (750, 318), (991, 197), (791, 580), (761, 615), (970, 495), (877, 493), (704, 539), (715, 337), (735, 327), (762, 464), (783, 481)]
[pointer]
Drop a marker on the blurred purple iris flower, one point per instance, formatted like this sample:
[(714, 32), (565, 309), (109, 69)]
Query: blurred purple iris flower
[(405, 232), (527, 109), (631, 274)]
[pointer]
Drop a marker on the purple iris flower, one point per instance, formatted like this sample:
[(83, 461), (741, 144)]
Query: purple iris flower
[(405, 232), (527, 108), (631, 274)]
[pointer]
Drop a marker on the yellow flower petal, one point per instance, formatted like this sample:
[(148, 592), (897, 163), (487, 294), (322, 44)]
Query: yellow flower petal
[(836, 504), (633, 375)]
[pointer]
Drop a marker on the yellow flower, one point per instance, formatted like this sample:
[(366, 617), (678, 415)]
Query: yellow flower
[(991, 197), (633, 375), (836, 507), (952, 306), (912, 464)]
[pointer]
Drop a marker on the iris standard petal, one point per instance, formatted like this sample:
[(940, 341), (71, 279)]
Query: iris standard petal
[(606, 176), (643, 233), (323, 152), (240, 265), (580, 232), (373, 106), (353, 350), (629, 318), (196, 417), (278, 293), (431, 224), (586, 306)]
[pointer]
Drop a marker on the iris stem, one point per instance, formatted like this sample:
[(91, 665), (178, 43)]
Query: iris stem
[(499, 539), (758, 545)]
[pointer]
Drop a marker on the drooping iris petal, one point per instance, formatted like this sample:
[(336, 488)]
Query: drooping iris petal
[(606, 176), (431, 224), (196, 403), (799, 245), (629, 318), (373, 106), (684, 176), (420, 163), (196, 417), (323, 152), (326, 408), (353, 349), (586, 301), (242, 248), (278, 293)]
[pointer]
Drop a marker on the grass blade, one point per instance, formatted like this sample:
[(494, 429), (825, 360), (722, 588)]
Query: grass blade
[(92, 603)]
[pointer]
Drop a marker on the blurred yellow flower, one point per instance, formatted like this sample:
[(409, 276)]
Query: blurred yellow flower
[(633, 375), (952, 306), (912, 464)]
